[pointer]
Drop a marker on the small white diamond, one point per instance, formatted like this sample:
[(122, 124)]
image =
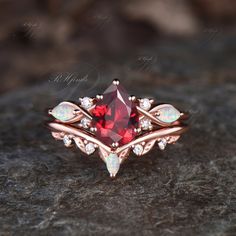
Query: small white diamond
[(145, 104), (113, 164), (67, 141), (146, 124), (162, 144), (89, 148), (138, 149), (86, 102), (85, 122)]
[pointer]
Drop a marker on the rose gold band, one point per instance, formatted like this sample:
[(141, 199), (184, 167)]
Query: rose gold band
[(172, 133)]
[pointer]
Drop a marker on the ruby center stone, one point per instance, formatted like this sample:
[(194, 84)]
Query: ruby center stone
[(115, 117)]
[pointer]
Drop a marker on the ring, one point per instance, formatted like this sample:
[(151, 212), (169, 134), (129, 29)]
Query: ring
[(116, 124)]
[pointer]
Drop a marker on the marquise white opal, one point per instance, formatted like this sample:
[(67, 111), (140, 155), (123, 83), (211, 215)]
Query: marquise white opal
[(63, 111), (168, 114), (113, 164)]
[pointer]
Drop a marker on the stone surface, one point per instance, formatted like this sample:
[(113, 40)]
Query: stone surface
[(168, 114), (145, 104), (138, 149), (145, 123), (162, 144), (115, 116), (89, 148), (67, 140), (86, 102), (85, 122), (187, 190), (63, 112), (113, 164)]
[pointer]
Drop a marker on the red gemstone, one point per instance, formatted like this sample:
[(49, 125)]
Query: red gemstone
[(115, 117)]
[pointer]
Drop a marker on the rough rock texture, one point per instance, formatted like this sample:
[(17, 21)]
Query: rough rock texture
[(189, 189)]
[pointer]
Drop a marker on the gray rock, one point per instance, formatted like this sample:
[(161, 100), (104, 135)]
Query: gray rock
[(189, 189)]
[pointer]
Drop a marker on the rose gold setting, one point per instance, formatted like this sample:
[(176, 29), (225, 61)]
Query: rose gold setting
[(162, 131)]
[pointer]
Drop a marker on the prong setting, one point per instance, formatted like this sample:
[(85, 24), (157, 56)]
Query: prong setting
[(137, 130), (132, 98), (99, 97), (115, 145), (151, 101), (93, 129), (116, 82), (76, 112)]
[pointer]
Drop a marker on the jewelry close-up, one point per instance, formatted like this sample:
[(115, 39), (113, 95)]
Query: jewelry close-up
[(116, 124)]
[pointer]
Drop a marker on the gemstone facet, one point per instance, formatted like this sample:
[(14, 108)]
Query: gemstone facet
[(115, 117), (113, 164)]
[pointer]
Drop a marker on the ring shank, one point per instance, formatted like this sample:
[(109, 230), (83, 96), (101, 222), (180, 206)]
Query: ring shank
[(153, 135)]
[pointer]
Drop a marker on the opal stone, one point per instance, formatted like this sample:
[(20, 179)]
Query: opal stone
[(113, 164), (63, 112), (168, 114)]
